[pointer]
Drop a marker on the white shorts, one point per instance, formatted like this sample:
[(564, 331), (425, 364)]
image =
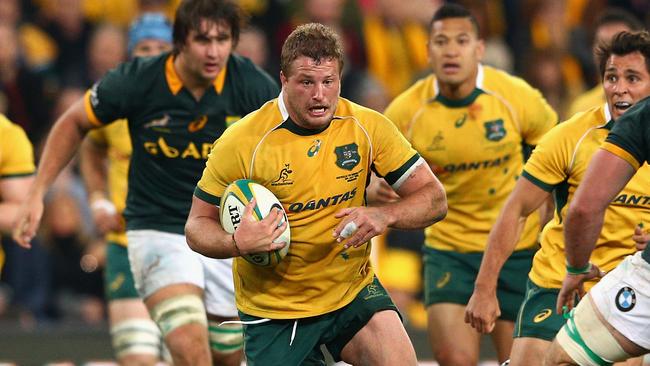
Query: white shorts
[(623, 298), (160, 259)]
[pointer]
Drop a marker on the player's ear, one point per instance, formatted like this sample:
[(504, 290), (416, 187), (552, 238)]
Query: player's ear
[(480, 49), (283, 79)]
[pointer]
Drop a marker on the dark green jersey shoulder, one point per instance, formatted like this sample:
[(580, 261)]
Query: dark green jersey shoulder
[(171, 131)]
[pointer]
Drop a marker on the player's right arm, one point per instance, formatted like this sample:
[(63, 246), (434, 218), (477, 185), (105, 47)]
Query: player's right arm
[(92, 164), (108, 100), (62, 142), (203, 230), (483, 307), (584, 220), (205, 234)]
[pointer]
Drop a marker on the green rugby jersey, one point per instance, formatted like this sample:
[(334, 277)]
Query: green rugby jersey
[(171, 132), (630, 140)]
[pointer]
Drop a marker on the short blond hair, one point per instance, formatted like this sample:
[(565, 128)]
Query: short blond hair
[(313, 40)]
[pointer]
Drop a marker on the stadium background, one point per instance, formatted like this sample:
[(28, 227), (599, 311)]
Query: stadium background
[(51, 298)]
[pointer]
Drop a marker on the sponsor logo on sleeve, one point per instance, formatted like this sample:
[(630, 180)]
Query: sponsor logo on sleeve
[(625, 299)]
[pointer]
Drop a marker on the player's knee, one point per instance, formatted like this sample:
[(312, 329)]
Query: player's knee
[(446, 355), (226, 338), (555, 355), (137, 340), (178, 311)]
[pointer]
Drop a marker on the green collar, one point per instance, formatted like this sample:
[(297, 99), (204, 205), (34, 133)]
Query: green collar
[(290, 125), (458, 103), (608, 126)]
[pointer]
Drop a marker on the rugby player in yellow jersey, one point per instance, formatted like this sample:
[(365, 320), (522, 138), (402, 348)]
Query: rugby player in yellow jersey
[(324, 292), (470, 123), (176, 105), (610, 323), (557, 167), (16, 173), (611, 22), (136, 338)]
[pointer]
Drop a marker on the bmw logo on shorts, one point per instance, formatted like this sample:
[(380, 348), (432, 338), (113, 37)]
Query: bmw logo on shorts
[(625, 299)]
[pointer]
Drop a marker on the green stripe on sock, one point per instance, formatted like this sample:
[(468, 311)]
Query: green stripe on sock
[(212, 328), (226, 347)]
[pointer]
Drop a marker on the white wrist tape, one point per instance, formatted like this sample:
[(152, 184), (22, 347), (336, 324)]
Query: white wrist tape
[(103, 204)]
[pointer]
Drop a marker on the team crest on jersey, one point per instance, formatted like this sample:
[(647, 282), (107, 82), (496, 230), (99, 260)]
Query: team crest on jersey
[(494, 130), (284, 179), (625, 299), (347, 156)]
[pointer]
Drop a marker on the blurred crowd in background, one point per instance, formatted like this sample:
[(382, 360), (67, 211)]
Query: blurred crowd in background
[(51, 51)]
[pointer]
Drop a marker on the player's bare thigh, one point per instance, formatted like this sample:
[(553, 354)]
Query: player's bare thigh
[(125, 309), (382, 341), (502, 338)]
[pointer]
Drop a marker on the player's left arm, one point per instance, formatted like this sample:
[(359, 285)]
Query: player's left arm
[(93, 154), (423, 202)]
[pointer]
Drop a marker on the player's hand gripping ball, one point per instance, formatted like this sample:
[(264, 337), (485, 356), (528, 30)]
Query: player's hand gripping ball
[(231, 209)]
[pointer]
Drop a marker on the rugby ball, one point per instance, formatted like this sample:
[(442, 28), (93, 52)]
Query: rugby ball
[(231, 210)]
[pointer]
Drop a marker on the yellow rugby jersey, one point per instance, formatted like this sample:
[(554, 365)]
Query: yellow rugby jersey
[(559, 163), (16, 155), (475, 146), (115, 137), (314, 173)]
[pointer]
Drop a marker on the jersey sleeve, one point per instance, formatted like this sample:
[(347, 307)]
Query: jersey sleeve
[(220, 172), (16, 153), (393, 156), (109, 99), (264, 88), (537, 116), (630, 136), (549, 162)]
